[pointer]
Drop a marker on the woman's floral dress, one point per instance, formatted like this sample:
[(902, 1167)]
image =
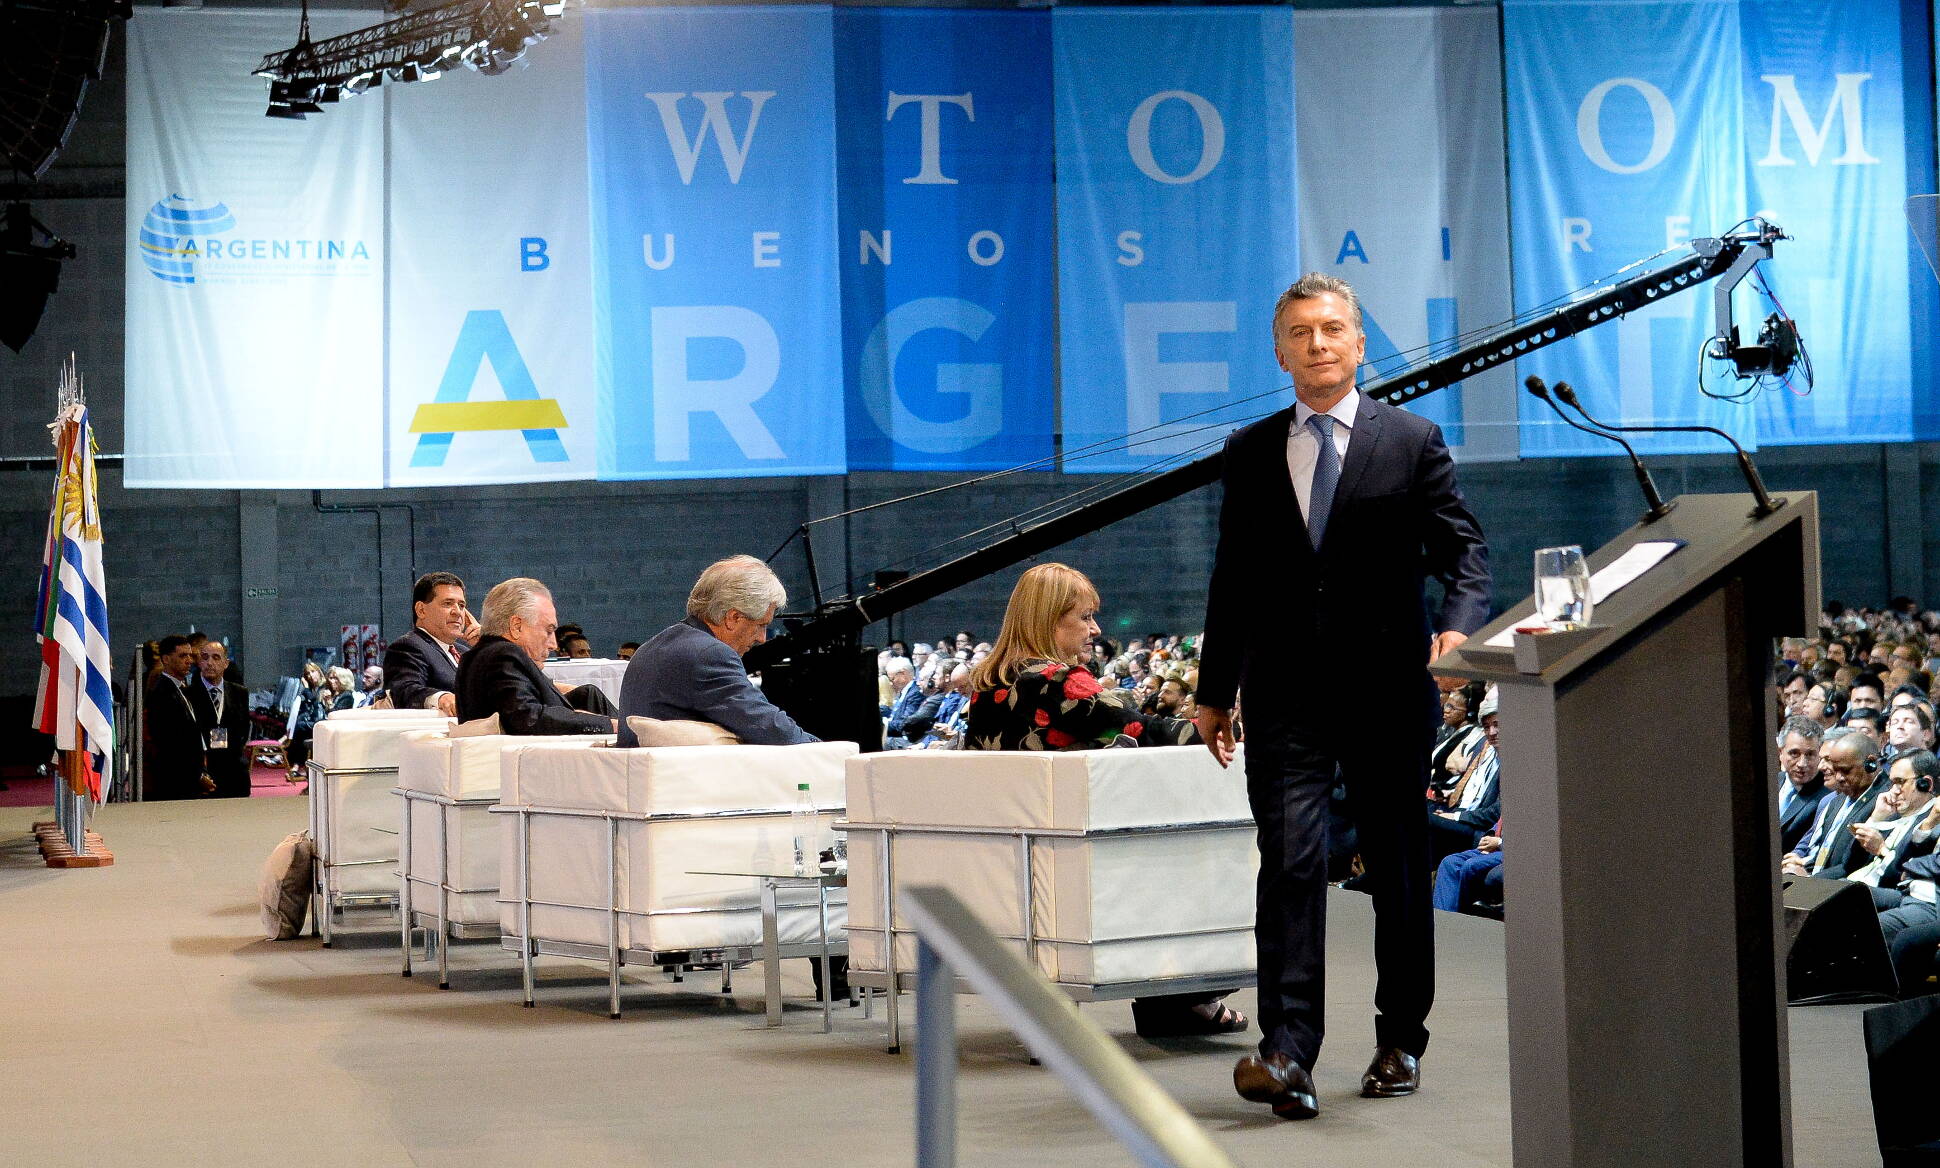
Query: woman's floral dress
[(1054, 706)]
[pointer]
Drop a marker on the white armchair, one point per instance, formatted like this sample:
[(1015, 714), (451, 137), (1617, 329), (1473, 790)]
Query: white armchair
[(353, 821), (1118, 873), (607, 854)]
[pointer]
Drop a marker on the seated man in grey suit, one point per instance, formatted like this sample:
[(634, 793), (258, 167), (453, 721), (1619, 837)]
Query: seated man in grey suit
[(692, 671)]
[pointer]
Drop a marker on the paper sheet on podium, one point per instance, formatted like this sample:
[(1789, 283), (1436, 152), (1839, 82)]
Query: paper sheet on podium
[(1612, 576)]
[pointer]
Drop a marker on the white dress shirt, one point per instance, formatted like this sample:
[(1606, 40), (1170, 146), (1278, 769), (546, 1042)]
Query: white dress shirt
[(451, 655), (1303, 445)]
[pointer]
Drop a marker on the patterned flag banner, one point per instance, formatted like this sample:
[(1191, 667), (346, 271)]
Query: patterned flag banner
[(491, 282), (255, 281), (1839, 131), (944, 128), (1176, 226), (711, 140), (73, 701), (1429, 257)]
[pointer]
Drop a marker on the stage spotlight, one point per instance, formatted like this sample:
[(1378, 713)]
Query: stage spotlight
[(407, 72), (361, 82), (30, 271)]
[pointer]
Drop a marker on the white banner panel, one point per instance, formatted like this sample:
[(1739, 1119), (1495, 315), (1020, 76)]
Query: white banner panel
[(255, 270), (1402, 193), (491, 296)]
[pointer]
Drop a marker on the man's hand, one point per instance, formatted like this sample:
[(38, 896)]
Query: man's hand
[(448, 705), (1216, 727), (565, 689), (472, 629), (1868, 838), (1445, 642), (1449, 814), (616, 724), (1489, 843), (208, 784), (1793, 866)]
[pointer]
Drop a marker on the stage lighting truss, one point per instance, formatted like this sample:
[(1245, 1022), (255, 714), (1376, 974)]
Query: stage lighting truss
[(489, 36)]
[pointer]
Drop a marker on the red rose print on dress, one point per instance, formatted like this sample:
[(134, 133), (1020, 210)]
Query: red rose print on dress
[(1058, 739), (1043, 717), (1081, 685), (1134, 729)]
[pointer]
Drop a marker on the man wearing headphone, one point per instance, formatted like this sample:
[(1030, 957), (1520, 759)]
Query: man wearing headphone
[(1890, 836), (1853, 775)]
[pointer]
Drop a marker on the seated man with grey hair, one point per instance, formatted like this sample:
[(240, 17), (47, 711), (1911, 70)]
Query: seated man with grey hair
[(692, 671), (501, 673)]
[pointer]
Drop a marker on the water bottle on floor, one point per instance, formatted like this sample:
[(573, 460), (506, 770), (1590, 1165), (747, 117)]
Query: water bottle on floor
[(804, 822)]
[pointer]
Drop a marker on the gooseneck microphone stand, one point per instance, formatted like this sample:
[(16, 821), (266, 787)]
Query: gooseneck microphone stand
[(1766, 504), (1652, 500)]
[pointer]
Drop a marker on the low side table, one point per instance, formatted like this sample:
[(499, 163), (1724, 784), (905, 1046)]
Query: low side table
[(772, 950)]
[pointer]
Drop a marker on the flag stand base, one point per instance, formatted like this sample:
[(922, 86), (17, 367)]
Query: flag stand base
[(58, 853)]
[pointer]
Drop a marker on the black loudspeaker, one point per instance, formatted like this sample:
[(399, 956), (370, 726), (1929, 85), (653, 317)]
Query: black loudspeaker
[(1834, 951), (1900, 1041)]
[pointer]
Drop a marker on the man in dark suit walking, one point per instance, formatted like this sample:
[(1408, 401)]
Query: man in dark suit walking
[(222, 711), (502, 675), (422, 665), (1335, 513)]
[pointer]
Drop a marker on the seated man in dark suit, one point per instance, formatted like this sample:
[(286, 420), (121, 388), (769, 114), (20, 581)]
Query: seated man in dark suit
[(692, 671), (1800, 787), (1855, 778), (222, 711), (501, 675), (422, 665)]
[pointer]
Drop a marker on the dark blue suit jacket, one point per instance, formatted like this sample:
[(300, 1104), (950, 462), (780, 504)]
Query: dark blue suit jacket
[(687, 673), (1398, 517), (415, 667)]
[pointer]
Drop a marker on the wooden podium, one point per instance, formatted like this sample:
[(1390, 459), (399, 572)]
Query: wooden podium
[(1645, 978)]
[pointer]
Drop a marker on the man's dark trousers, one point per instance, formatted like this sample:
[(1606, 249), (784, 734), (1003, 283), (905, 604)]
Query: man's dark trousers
[(1289, 773)]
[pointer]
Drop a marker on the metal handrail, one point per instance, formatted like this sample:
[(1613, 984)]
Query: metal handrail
[(951, 943)]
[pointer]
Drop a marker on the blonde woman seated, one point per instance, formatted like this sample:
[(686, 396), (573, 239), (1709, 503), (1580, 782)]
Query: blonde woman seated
[(1030, 695)]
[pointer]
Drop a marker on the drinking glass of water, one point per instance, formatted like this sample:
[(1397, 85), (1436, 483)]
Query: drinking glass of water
[(1563, 587)]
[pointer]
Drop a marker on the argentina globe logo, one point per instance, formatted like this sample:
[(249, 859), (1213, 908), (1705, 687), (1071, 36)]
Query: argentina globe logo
[(168, 234)]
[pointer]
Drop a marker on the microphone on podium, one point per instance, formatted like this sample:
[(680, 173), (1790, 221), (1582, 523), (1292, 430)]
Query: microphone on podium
[(1657, 507), (1766, 504)]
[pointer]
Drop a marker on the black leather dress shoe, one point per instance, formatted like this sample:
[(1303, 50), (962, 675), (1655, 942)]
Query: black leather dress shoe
[(1393, 1073), (1276, 1079)]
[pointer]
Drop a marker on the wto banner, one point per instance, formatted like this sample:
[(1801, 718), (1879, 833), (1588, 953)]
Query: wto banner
[(944, 127), (1402, 195), (255, 269), (491, 287), (711, 144), (1625, 128), (1839, 131), (1176, 223)]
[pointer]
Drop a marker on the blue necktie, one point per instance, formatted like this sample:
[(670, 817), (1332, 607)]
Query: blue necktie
[(1320, 497)]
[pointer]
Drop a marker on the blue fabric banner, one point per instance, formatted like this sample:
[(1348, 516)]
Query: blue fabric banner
[(1837, 140), (1176, 226), (944, 125), (1624, 127), (711, 151)]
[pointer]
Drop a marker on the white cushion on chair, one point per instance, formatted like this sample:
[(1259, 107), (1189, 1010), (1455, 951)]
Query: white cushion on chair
[(340, 743), (728, 808), (1127, 906)]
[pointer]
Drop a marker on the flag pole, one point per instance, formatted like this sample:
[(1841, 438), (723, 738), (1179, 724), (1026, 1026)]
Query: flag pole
[(73, 701)]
